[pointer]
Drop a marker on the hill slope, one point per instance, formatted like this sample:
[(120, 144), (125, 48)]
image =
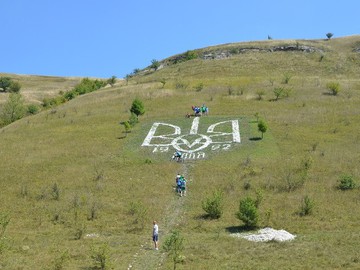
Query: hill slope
[(72, 181)]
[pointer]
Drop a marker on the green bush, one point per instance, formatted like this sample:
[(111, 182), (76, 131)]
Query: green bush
[(14, 87), (248, 212), (306, 206), (174, 245), (334, 88), (101, 257), (137, 107), (346, 182), (213, 205), (33, 109)]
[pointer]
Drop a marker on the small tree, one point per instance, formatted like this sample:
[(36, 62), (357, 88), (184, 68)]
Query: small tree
[(155, 64), (101, 257), (5, 83), (260, 93), (112, 80), (214, 205), (334, 88), (13, 109), (329, 35), (137, 107), (307, 206), (287, 78), (174, 245), (14, 87), (248, 212), (262, 127), (163, 82)]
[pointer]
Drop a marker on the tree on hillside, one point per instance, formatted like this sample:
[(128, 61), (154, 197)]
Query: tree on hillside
[(5, 83), (248, 212), (111, 81), (13, 109), (137, 107), (155, 64), (262, 128), (329, 35), (174, 245)]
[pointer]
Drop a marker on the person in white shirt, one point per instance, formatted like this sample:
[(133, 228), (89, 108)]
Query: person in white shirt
[(156, 235)]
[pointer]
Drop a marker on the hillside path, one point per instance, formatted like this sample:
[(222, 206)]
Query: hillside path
[(147, 258)]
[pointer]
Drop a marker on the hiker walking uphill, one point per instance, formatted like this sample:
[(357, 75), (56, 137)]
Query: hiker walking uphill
[(180, 185)]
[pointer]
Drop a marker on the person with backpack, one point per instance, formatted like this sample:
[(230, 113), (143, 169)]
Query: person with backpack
[(182, 186), (178, 183)]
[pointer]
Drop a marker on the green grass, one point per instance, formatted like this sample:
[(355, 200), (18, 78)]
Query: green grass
[(81, 147)]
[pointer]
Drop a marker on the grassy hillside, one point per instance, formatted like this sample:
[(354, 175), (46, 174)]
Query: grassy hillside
[(72, 182)]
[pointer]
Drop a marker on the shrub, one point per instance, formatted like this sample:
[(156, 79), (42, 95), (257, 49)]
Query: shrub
[(329, 35), (79, 231), (262, 127), (137, 107), (100, 256), (248, 212), (61, 260), (33, 109), (155, 64), (286, 78), (14, 87), (55, 192), (199, 87), (281, 92), (139, 212), (333, 87), (346, 182), (189, 55), (5, 83), (306, 206), (213, 205), (174, 245), (260, 93)]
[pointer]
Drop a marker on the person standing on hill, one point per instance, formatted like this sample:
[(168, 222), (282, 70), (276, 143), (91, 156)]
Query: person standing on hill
[(156, 235)]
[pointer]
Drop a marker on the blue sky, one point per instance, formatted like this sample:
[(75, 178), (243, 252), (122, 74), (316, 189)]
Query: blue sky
[(89, 38)]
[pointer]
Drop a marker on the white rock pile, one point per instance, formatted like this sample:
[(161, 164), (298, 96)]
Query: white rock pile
[(266, 234)]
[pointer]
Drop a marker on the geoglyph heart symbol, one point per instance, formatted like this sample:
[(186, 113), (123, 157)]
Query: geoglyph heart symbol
[(170, 135)]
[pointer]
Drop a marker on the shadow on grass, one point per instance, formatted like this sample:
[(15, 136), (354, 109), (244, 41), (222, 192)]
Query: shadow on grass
[(240, 229), (255, 139), (121, 137), (205, 217), (328, 94)]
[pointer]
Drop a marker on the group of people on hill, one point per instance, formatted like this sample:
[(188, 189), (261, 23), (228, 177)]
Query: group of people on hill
[(198, 111), (180, 182)]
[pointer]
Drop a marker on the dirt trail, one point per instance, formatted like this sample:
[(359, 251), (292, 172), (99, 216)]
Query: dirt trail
[(147, 257)]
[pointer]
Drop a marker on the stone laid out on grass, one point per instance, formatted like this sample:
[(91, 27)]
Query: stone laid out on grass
[(266, 235)]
